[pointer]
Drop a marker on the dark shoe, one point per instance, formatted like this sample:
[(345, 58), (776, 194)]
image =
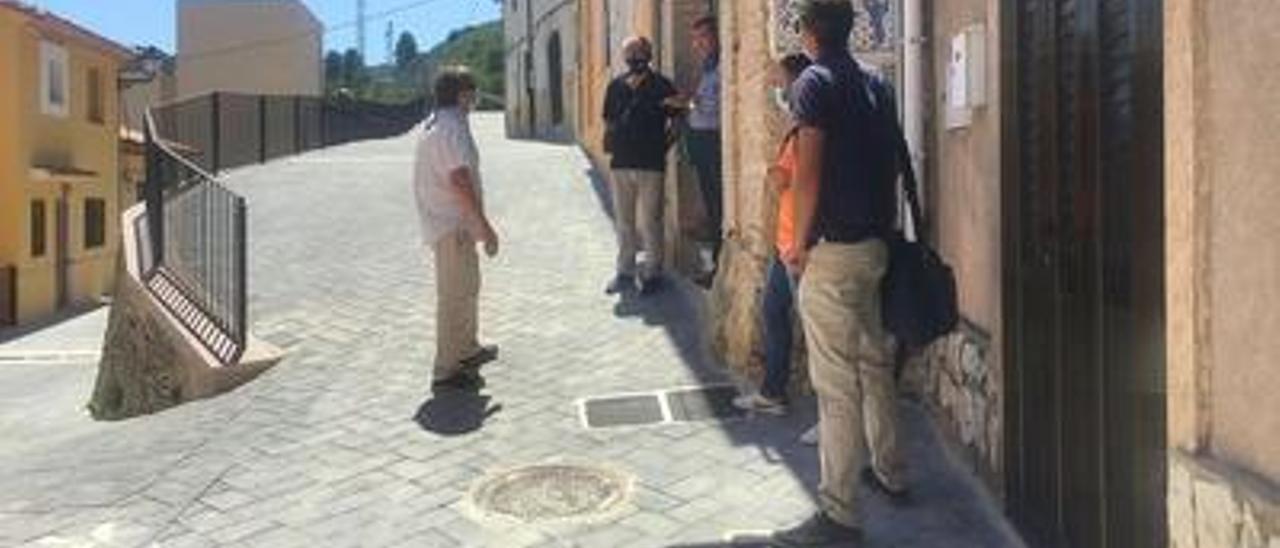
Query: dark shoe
[(464, 381), (620, 284), (484, 355), (819, 530), (898, 496), (649, 286)]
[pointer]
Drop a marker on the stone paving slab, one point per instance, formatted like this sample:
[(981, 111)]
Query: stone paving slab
[(343, 445)]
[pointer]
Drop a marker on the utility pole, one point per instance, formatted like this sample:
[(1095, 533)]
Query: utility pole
[(360, 43), (391, 48)]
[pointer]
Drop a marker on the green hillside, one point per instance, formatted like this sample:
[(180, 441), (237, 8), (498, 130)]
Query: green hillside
[(480, 49)]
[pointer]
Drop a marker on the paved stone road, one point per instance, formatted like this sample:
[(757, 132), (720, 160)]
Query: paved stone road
[(339, 445)]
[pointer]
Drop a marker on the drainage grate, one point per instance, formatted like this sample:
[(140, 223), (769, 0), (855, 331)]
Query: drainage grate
[(552, 492), (706, 403), (623, 411)]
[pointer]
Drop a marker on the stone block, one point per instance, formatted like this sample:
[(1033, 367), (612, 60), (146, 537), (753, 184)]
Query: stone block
[(1181, 507), (1217, 514), (149, 361)]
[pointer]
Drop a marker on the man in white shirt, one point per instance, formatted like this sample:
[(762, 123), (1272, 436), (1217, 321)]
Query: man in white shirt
[(449, 196)]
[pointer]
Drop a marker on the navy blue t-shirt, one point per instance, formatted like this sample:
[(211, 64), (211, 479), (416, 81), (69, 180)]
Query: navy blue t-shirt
[(856, 194)]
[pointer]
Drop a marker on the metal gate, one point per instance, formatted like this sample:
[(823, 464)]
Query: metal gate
[(1083, 224)]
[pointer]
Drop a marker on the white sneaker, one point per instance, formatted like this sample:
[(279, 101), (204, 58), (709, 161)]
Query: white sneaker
[(757, 403), (810, 436)]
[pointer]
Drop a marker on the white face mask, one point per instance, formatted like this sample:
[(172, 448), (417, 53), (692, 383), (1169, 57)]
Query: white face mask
[(781, 99)]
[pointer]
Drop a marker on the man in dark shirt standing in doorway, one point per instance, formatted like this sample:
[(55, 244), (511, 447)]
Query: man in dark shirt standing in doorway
[(638, 111)]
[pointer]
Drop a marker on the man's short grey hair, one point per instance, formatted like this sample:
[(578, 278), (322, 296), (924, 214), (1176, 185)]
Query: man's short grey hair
[(637, 45)]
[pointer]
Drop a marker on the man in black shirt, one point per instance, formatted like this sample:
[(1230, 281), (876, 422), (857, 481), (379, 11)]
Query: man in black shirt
[(845, 207), (638, 110)]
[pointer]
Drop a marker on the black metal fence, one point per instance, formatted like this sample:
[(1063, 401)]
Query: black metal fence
[(195, 263), (226, 130)]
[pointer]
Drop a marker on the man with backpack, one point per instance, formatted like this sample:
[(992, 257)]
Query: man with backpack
[(638, 110), (845, 212)]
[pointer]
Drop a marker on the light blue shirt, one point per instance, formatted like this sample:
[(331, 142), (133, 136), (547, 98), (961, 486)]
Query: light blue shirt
[(706, 105)]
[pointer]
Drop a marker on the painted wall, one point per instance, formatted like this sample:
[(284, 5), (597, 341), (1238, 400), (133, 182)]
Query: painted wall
[(268, 47), (1221, 80), (76, 142), (1224, 301), (12, 217), (549, 17), (965, 373)]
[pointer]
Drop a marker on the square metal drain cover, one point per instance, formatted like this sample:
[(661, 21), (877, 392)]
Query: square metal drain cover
[(623, 411), (705, 403)]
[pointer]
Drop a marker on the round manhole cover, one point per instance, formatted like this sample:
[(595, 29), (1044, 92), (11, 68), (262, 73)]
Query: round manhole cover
[(552, 492)]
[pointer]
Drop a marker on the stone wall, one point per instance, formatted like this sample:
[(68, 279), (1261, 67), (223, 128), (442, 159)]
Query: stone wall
[(1214, 506), (150, 362), (958, 377)]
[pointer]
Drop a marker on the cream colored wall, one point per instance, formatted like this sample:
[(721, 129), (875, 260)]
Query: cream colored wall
[(1224, 262), (965, 189), (76, 142), (549, 16), (13, 216), (265, 48)]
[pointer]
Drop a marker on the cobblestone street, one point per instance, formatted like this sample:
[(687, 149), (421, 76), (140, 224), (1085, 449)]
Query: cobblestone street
[(341, 445)]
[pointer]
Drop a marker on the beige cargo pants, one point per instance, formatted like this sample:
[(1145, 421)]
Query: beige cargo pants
[(850, 364)]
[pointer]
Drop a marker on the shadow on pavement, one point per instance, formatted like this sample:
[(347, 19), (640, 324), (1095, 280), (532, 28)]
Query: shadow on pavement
[(8, 334), (455, 412), (604, 194)]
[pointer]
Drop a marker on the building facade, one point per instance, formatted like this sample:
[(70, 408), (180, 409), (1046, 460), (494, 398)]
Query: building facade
[(269, 47), (1097, 172), (541, 48), (59, 163)]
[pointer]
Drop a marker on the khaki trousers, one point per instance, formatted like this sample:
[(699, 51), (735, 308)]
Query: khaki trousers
[(850, 363), (637, 211), (457, 301)]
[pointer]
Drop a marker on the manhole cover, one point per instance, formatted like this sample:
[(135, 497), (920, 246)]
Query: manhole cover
[(552, 492)]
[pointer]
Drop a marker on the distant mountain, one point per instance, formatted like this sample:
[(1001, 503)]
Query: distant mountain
[(479, 48)]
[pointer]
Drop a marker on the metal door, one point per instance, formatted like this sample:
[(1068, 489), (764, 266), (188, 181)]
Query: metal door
[(1083, 225)]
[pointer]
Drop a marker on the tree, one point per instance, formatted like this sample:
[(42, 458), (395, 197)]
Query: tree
[(353, 71), (406, 51), (334, 75)]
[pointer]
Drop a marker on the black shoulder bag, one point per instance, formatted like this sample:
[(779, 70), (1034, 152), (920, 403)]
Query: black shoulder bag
[(918, 294)]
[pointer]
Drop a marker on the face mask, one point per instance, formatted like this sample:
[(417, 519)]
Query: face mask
[(638, 66), (782, 98)]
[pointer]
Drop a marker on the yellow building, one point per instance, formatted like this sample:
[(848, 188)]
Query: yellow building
[(59, 163)]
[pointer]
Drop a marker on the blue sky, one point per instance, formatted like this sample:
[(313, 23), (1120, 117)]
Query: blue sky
[(151, 22)]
